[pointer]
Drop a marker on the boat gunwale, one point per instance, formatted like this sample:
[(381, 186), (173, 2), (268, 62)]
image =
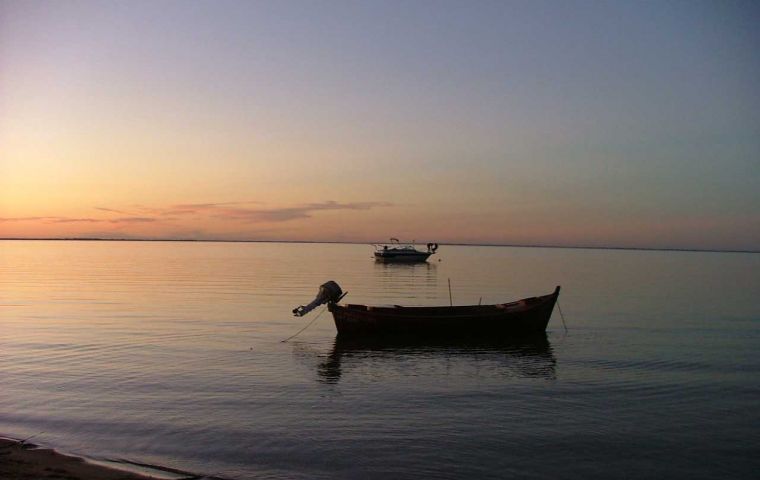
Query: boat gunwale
[(454, 311)]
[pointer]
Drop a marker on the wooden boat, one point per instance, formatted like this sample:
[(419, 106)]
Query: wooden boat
[(394, 252), (526, 316)]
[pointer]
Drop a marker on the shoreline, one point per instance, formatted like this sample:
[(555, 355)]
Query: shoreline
[(22, 460)]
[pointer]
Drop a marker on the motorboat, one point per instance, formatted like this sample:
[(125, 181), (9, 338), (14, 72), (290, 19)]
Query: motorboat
[(397, 252)]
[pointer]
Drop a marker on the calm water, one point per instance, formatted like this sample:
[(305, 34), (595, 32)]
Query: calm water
[(171, 354)]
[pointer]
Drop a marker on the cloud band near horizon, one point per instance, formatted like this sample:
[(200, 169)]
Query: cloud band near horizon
[(231, 211)]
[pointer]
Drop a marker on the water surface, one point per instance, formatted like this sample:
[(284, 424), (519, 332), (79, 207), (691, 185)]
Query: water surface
[(170, 353)]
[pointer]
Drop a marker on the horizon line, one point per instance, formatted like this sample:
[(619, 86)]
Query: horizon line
[(580, 247)]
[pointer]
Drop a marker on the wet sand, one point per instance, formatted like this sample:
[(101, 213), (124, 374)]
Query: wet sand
[(24, 461)]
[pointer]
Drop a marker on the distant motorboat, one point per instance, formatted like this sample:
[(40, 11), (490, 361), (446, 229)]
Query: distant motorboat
[(395, 252), (503, 320)]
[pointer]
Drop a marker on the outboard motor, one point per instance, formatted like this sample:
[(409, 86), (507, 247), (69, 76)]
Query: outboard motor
[(329, 292), (432, 247)]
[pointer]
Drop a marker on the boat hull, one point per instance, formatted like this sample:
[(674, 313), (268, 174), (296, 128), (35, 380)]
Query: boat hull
[(392, 257), (523, 317)]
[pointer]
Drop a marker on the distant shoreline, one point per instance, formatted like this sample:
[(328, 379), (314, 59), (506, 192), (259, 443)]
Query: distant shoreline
[(578, 247)]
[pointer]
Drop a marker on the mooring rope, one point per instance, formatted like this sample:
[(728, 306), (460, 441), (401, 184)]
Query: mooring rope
[(561, 315), (307, 326)]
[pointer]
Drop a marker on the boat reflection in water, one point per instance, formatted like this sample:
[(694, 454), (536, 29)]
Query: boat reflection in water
[(529, 357)]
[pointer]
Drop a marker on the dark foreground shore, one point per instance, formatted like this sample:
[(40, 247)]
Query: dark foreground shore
[(24, 461)]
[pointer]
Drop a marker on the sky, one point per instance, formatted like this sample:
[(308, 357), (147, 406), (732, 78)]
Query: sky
[(583, 123)]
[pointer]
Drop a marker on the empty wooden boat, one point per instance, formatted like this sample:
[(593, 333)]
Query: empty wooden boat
[(526, 316)]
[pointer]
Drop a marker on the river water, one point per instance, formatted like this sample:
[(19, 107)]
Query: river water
[(170, 353)]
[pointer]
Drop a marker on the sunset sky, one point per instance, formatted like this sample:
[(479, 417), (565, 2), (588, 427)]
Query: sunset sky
[(594, 123)]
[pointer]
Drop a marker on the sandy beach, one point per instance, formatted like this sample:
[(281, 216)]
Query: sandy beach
[(25, 461)]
